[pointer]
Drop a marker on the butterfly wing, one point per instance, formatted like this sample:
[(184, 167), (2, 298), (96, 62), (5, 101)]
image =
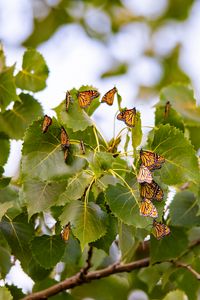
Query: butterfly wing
[(160, 230), (147, 209), (109, 96), (64, 138), (128, 116), (151, 191), (86, 97), (46, 123), (65, 232), (144, 175), (151, 160)]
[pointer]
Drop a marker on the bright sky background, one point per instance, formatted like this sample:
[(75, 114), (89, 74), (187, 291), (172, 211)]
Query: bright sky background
[(74, 60)]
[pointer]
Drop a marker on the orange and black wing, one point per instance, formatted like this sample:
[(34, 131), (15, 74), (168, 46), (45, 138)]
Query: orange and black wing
[(144, 175), (109, 96), (151, 191), (86, 97), (64, 138), (128, 116), (65, 232), (160, 230), (46, 123), (151, 160), (147, 209)]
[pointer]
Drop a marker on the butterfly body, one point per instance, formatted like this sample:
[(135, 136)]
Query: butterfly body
[(82, 146), (67, 100), (160, 230), (144, 175), (147, 209), (151, 160), (85, 98), (46, 123), (64, 138), (151, 191), (109, 96), (128, 116), (65, 232), (167, 109)]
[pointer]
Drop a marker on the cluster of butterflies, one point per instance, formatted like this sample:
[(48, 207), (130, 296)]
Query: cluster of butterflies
[(150, 190), (85, 98)]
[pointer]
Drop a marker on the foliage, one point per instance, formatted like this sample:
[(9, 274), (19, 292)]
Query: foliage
[(96, 191)]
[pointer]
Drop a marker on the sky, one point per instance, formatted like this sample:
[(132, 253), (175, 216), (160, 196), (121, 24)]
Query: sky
[(74, 60)]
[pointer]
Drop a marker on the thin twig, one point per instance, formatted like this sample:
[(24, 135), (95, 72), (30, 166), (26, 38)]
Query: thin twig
[(188, 267), (85, 270)]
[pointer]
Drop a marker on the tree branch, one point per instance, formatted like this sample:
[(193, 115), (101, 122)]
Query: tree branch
[(77, 280), (188, 267)]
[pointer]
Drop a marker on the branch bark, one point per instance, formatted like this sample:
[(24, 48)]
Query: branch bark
[(77, 280)]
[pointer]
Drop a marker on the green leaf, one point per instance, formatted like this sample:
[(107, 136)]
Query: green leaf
[(2, 58), (137, 132), (178, 10), (41, 195), (4, 207), (183, 101), (164, 249), (75, 188), (35, 270), (124, 204), (45, 27), (34, 72), (15, 121), (116, 70), (172, 118), (47, 250), (42, 157), (127, 242), (87, 220), (72, 257), (175, 295), (180, 158), (5, 293), (7, 88), (5, 253), (105, 241), (194, 136), (4, 181), (187, 282), (5, 148), (15, 292), (184, 209), (18, 232), (76, 118), (110, 288), (150, 275)]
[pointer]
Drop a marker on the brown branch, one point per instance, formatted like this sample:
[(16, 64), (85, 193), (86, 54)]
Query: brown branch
[(77, 280), (188, 267)]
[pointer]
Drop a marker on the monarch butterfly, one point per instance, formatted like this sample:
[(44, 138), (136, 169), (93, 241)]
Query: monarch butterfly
[(109, 96), (160, 230), (151, 160), (46, 123), (65, 232), (151, 191), (82, 146), (147, 209), (65, 143), (128, 116), (167, 109), (144, 175), (86, 97), (67, 100)]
